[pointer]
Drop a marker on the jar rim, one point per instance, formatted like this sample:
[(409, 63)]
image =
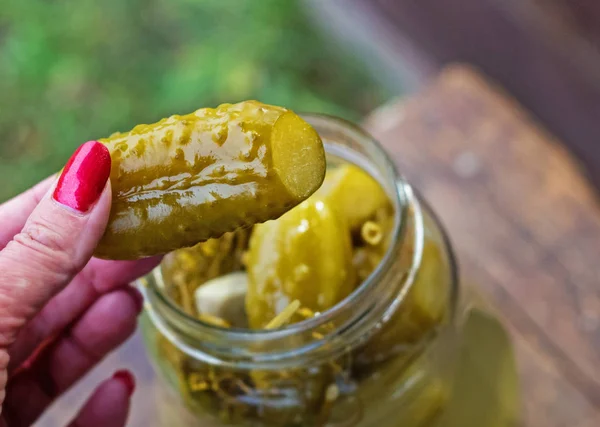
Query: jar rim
[(234, 346)]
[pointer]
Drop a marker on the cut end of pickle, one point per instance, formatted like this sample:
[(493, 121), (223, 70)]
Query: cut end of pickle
[(298, 155)]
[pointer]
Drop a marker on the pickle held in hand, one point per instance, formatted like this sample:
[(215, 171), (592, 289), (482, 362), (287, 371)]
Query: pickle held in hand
[(186, 179)]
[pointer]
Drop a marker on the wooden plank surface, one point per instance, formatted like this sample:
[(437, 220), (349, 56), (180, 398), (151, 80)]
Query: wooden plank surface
[(543, 51), (526, 226)]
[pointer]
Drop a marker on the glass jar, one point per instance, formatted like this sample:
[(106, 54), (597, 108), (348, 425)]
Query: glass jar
[(382, 357)]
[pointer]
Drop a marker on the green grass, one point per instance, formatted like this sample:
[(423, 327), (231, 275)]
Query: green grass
[(71, 71)]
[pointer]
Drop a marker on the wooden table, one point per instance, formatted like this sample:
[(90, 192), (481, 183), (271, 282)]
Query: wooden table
[(526, 227)]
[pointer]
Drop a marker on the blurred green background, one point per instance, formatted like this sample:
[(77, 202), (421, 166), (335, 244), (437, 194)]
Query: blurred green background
[(71, 71)]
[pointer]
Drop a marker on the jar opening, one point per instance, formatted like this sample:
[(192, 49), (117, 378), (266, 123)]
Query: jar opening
[(331, 332)]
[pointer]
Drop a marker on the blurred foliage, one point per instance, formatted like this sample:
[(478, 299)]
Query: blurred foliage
[(71, 71)]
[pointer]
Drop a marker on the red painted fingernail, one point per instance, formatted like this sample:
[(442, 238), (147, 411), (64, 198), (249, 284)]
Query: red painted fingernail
[(84, 177), (126, 378)]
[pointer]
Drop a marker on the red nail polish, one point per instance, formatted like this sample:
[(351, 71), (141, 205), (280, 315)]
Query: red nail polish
[(126, 378), (84, 177)]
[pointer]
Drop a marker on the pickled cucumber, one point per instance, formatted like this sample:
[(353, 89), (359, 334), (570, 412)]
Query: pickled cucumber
[(305, 255), (353, 193), (186, 179)]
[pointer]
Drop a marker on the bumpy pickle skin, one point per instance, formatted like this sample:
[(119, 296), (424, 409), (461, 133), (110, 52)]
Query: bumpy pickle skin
[(186, 179), (305, 255), (354, 193)]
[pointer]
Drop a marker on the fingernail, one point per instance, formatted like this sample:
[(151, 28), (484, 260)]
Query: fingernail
[(138, 298), (127, 379), (83, 177)]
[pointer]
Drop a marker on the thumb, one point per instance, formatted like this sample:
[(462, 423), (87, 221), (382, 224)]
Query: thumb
[(57, 240)]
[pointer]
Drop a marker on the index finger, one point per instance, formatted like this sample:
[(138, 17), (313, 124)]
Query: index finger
[(14, 212)]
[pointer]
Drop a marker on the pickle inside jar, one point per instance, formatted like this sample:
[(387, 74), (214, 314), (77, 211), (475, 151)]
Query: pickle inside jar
[(308, 260)]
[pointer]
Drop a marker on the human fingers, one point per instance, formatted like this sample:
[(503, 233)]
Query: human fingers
[(57, 240), (96, 279), (109, 405), (106, 325)]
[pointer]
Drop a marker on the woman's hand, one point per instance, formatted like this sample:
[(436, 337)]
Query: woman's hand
[(61, 312)]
